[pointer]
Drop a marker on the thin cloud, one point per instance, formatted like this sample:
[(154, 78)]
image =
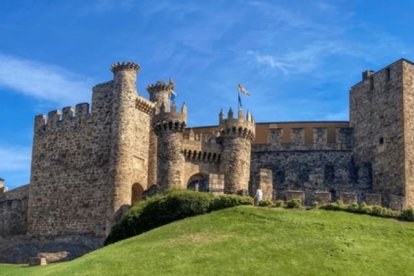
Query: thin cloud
[(14, 158), (42, 81), (303, 60)]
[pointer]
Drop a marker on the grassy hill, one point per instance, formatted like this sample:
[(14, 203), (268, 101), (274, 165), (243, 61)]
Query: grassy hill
[(251, 241)]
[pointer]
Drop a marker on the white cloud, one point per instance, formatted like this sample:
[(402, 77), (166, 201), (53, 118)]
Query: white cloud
[(42, 81), (14, 158), (303, 60)]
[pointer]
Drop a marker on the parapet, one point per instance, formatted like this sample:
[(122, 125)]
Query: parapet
[(144, 105), (310, 138), (237, 127), (67, 115), (159, 86), (126, 65), (171, 120)]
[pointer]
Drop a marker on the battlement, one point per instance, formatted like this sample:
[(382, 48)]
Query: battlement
[(126, 65), (171, 120), (296, 138), (66, 116), (160, 86), (241, 126), (201, 147), (144, 105)]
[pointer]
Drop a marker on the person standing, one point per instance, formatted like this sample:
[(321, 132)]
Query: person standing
[(258, 197)]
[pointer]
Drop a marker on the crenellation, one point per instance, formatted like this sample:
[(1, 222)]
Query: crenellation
[(68, 113), (344, 138), (320, 138), (298, 138), (82, 111), (40, 123), (54, 117)]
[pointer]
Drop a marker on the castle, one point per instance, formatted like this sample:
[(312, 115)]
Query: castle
[(90, 164)]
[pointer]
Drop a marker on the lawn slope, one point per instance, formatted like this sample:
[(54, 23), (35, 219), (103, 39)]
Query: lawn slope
[(248, 241)]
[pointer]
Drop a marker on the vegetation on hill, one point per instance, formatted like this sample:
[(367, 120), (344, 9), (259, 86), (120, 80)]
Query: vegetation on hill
[(171, 206), (248, 240)]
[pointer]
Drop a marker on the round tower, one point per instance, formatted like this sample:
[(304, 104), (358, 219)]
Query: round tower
[(122, 135), (160, 93), (237, 135), (169, 127)]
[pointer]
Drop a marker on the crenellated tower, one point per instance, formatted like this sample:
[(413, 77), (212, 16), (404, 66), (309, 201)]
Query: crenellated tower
[(237, 135), (169, 127), (159, 94), (131, 125)]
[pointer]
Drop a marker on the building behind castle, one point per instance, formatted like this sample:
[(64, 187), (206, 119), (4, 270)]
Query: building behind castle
[(90, 164)]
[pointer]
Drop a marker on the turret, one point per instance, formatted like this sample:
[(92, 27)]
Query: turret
[(160, 93), (237, 135), (169, 127), (2, 188), (123, 134)]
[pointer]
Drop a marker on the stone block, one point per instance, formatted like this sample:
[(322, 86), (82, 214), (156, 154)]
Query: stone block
[(348, 198), (216, 183), (373, 199), (396, 202), (322, 197), (266, 183), (37, 261), (295, 194), (275, 136)]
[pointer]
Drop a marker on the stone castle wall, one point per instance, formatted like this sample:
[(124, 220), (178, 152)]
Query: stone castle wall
[(13, 211), (377, 117), (295, 165), (71, 164), (408, 88)]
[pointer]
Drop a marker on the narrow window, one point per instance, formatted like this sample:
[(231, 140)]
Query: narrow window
[(371, 83), (388, 74), (381, 140)]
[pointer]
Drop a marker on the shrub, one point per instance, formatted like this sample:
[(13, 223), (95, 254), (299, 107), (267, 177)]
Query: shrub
[(279, 203), (407, 214), (160, 210), (266, 203), (315, 205), (173, 205), (294, 203), (226, 201)]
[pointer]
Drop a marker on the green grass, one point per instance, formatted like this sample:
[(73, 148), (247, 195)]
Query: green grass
[(253, 241)]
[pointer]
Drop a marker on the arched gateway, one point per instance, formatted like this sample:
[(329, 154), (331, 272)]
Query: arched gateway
[(198, 182)]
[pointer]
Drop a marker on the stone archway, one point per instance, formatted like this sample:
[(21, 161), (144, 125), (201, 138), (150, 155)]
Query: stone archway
[(136, 193), (198, 182)]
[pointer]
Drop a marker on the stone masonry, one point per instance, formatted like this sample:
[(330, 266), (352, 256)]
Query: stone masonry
[(90, 163)]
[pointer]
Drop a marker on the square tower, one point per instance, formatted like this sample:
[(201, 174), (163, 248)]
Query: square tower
[(382, 116)]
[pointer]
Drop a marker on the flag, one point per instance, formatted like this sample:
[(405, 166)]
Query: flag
[(173, 95), (240, 103), (243, 90)]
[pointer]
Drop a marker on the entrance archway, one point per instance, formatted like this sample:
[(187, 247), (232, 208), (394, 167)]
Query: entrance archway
[(136, 193), (198, 182)]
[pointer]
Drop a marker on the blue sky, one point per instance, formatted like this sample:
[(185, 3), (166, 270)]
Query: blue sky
[(298, 59)]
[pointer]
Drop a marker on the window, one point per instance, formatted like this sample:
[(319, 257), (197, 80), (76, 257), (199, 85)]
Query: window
[(388, 74), (381, 140)]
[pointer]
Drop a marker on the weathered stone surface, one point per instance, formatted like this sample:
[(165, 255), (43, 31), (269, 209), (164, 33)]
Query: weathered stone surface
[(33, 261), (322, 197), (291, 194), (373, 199), (348, 198)]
